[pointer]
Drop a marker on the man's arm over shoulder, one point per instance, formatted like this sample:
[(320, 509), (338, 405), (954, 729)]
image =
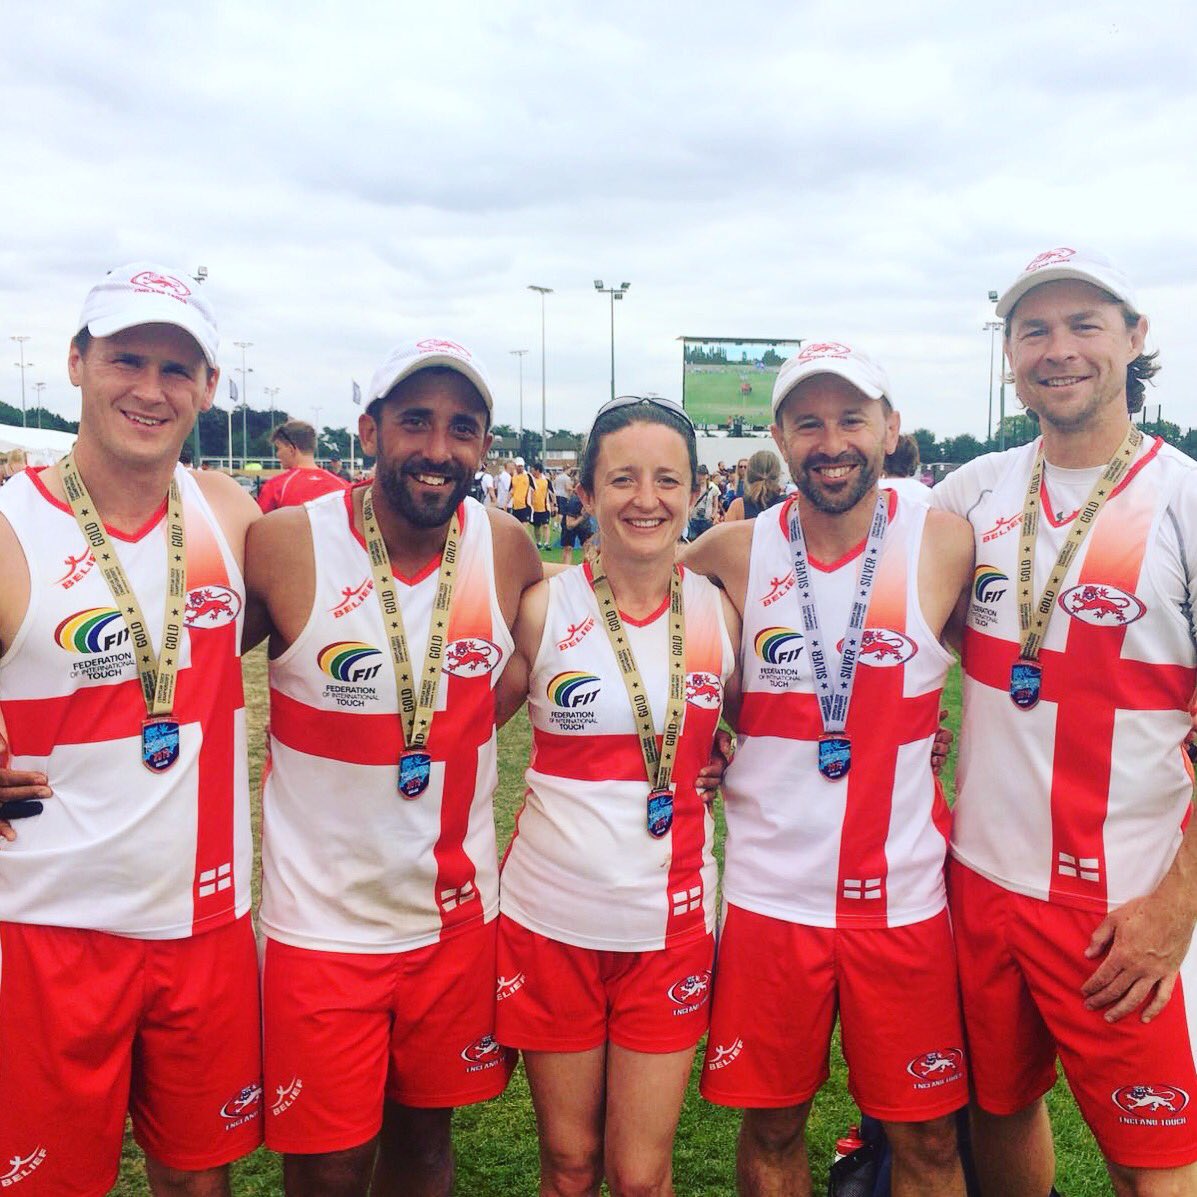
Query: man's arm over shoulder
[(960, 490), (722, 554), (528, 632), (280, 578), (945, 571), (517, 563)]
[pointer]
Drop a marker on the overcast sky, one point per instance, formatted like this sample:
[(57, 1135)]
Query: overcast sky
[(356, 177)]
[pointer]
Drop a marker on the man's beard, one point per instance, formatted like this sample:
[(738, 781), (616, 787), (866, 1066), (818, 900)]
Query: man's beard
[(806, 481), (431, 510)]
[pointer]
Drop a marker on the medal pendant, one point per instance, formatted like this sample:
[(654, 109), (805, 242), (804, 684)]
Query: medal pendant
[(159, 744), (660, 812), (415, 768), (835, 756), (1026, 677)]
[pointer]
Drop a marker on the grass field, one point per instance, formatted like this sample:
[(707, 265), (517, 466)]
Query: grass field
[(714, 394), (496, 1142)]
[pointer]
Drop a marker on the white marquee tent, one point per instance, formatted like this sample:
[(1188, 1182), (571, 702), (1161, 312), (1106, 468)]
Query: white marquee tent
[(42, 445)]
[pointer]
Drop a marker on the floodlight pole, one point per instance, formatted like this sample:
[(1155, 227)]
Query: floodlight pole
[(24, 365), (518, 354), (39, 387), (615, 293), (544, 440), (243, 346), (992, 326)]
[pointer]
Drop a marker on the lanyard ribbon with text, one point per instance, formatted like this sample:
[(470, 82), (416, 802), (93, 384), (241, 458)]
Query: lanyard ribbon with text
[(835, 693), (658, 767), (415, 712), (1026, 675)]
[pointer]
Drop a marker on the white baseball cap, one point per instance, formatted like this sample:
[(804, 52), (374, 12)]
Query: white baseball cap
[(520, 461), (1054, 265), (831, 357), (147, 293), (409, 358)]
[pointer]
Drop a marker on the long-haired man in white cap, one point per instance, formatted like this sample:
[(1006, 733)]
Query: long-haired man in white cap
[(1073, 887), (391, 624), (836, 825), (129, 979)]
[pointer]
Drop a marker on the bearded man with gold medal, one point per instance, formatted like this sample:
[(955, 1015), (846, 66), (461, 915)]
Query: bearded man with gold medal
[(390, 616), (129, 978), (1073, 888)]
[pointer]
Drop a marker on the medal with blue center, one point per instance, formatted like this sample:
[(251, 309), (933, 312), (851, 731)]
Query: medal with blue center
[(658, 764), (1026, 674), (157, 671), (415, 710), (834, 694)]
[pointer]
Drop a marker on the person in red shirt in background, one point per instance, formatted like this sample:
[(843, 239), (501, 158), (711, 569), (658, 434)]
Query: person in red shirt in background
[(302, 479)]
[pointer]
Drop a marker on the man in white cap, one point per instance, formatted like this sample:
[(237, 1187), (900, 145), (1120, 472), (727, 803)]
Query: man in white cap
[(1073, 885), (837, 828), (129, 980), (390, 628)]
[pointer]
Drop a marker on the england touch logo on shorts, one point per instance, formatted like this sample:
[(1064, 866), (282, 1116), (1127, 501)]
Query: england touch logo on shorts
[(704, 690), (690, 992), (471, 657), (1151, 1105), (242, 1107), (935, 1068), (722, 1055), (481, 1054), (1101, 606), (212, 607), (286, 1096), (21, 1167)]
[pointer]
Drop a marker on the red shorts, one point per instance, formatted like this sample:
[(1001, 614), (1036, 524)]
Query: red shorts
[(554, 997), (345, 1029), (777, 989), (1022, 965), (93, 1025)]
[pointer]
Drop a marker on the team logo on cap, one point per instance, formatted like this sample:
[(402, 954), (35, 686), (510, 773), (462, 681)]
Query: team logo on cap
[(19, 1167), (1049, 258), (471, 657), (573, 688), (1150, 1101), (704, 690), (482, 1053), (96, 630), (163, 284), (243, 1106), (690, 992), (824, 349), (212, 607), (778, 646), (350, 661), (1102, 606), (432, 345), (935, 1068), (884, 647), (722, 1055)]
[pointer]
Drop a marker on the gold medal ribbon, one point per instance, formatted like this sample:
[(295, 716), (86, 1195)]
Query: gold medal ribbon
[(157, 672), (415, 715), (658, 766), (1033, 616)]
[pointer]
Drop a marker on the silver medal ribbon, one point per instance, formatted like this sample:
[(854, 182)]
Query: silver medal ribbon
[(835, 693)]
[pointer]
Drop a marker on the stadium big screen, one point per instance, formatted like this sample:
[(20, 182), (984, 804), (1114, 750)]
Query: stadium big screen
[(726, 382)]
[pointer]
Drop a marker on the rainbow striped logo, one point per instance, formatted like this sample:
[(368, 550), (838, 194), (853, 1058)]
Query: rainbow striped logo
[(573, 689), (96, 630), (989, 584), (778, 646), (350, 661)]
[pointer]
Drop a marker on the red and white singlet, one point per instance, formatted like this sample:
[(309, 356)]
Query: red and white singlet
[(866, 850), (582, 867), (119, 848), (348, 864), (1081, 799)]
